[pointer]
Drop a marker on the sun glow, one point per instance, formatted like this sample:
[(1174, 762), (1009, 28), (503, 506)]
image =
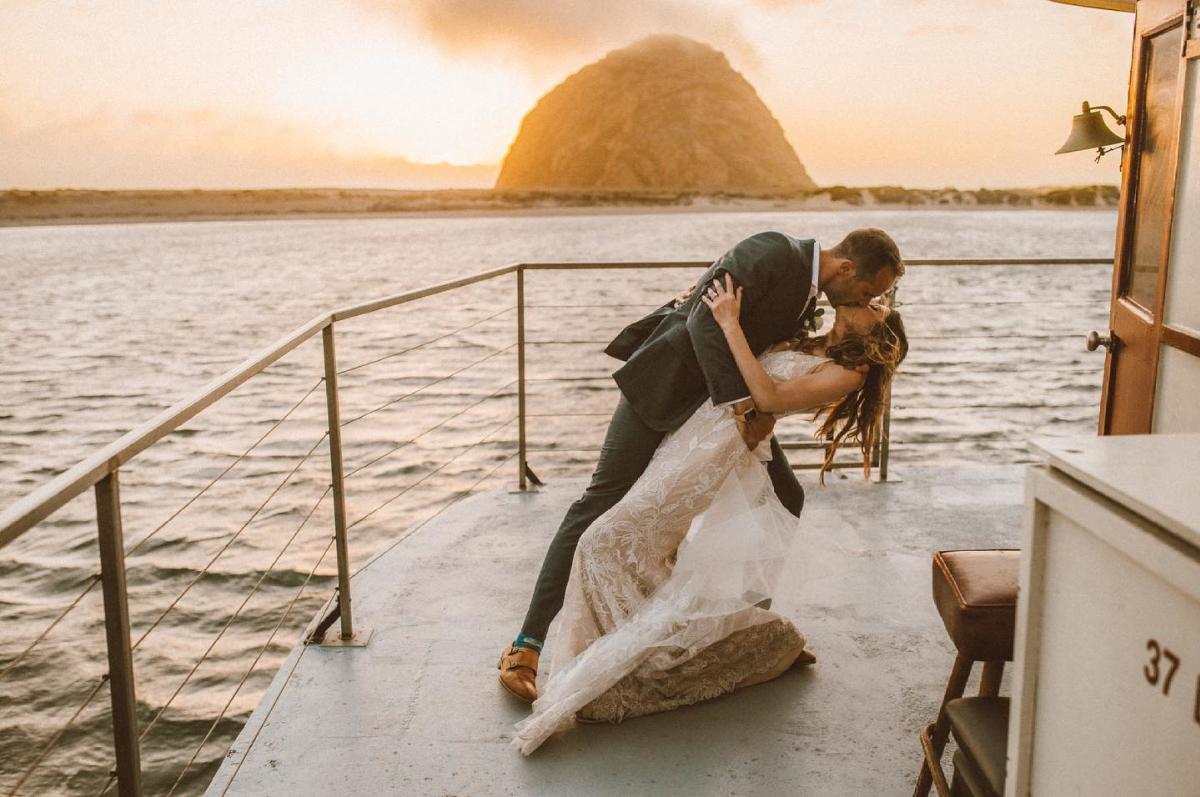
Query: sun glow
[(381, 97)]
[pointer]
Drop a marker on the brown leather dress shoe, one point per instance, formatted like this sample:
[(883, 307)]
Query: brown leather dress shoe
[(805, 658), (518, 672)]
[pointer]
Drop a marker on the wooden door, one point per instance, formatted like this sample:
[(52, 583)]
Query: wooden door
[(1144, 225)]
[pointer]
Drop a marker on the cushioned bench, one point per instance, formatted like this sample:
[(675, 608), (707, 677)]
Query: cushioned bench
[(975, 593)]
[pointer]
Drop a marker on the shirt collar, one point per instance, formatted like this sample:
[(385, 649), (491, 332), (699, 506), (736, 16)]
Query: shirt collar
[(816, 269)]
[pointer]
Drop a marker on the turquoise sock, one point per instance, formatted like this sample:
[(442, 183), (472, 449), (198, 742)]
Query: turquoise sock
[(523, 641)]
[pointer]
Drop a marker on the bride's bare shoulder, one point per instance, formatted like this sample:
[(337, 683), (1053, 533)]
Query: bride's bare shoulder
[(831, 367)]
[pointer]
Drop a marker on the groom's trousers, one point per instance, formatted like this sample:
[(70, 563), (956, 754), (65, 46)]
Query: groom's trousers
[(628, 447)]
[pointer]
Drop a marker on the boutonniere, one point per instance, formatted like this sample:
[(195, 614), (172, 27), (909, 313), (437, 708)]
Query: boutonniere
[(814, 322)]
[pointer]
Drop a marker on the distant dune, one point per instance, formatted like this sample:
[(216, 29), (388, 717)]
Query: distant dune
[(74, 206)]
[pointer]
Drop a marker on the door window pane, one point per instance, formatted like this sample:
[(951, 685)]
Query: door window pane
[(1154, 167), (1183, 269)]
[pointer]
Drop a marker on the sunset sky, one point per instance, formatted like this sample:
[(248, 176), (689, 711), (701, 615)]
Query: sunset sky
[(429, 93)]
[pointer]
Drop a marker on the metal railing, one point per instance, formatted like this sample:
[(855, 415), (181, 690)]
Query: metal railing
[(101, 473)]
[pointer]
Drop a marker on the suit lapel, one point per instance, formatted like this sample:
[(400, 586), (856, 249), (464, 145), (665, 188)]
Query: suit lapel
[(804, 287)]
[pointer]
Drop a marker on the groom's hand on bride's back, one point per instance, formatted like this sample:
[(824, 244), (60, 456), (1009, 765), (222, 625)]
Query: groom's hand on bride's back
[(683, 297)]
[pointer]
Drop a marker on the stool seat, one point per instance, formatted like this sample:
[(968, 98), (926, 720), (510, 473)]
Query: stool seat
[(980, 724), (976, 595)]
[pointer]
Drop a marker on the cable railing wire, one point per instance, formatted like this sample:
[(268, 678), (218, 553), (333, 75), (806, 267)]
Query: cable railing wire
[(567, 414), (457, 497), (1039, 302), (412, 440), (58, 735), (434, 472), (95, 579), (12, 665), (1055, 336), (245, 676), (231, 466), (966, 441), (909, 372), (229, 542), (1052, 336), (605, 378), (438, 381), (908, 303), (237, 613), (259, 729), (640, 306), (425, 343)]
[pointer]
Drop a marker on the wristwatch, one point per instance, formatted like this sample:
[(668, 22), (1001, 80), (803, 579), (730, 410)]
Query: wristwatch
[(746, 417)]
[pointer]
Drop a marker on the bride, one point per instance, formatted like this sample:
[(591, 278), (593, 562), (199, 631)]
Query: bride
[(666, 603)]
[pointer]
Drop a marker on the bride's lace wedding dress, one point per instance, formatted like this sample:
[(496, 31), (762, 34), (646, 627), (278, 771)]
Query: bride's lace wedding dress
[(664, 603)]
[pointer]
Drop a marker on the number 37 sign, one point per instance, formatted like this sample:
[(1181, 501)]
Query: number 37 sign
[(1160, 669)]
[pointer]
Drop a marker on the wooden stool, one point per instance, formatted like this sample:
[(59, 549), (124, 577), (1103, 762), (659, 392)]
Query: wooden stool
[(976, 594)]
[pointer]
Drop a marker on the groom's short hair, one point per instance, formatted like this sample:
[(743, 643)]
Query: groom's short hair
[(871, 250)]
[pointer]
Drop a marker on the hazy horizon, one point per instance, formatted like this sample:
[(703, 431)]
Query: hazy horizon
[(429, 94), (564, 191)]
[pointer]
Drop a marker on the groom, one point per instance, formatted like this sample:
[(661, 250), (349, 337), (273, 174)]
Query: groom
[(676, 358)]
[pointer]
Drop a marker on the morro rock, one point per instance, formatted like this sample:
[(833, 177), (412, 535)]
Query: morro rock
[(666, 113)]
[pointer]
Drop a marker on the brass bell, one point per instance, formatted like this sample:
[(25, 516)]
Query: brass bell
[(1088, 131)]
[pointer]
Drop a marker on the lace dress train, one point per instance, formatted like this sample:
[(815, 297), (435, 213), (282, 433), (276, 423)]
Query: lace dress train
[(664, 602)]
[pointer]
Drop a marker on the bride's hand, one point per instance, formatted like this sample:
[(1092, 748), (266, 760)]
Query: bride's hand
[(724, 300)]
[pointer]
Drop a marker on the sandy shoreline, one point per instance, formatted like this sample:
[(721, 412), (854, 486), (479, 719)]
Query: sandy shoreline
[(498, 213), (74, 207)]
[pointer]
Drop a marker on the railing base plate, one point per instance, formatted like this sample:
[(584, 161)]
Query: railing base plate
[(359, 640)]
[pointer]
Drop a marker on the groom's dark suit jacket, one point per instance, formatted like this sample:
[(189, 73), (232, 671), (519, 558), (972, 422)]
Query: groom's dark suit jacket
[(676, 357)]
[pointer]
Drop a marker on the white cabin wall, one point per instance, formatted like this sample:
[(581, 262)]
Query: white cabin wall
[(1177, 394), (1177, 398)]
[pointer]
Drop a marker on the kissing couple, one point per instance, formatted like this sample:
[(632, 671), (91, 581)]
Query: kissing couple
[(655, 592)]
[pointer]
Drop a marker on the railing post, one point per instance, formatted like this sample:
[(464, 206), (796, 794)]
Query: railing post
[(885, 437), (522, 468), (116, 630), (346, 637)]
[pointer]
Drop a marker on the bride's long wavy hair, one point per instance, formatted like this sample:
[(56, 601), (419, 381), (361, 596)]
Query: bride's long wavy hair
[(857, 416)]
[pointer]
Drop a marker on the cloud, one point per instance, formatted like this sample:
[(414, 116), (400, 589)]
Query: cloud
[(197, 148), (548, 34)]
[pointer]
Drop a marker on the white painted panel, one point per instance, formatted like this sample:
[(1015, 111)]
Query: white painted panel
[(1154, 475), (1177, 397), (1183, 269), (1100, 726)]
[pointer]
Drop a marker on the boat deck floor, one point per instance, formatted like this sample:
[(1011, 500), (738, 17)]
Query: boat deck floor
[(418, 711)]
